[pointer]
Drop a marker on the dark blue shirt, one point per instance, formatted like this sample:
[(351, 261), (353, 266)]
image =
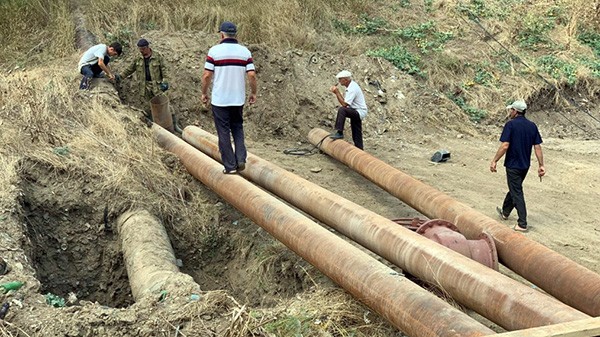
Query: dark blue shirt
[(521, 134)]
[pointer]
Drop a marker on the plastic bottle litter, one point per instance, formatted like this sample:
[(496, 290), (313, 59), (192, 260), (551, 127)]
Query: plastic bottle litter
[(15, 285), (4, 310), (3, 267)]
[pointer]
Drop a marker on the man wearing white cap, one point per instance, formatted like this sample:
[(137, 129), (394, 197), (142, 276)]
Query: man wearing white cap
[(518, 137), (353, 107)]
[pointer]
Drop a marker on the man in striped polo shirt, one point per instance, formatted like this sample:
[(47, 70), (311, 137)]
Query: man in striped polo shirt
[(227, 65)]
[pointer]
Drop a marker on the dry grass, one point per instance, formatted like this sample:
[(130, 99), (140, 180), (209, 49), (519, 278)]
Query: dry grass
[(35, 31), (47, 121)]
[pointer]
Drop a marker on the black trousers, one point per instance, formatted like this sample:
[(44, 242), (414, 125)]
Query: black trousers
[(355, 124), (229, 123), (515, 198)]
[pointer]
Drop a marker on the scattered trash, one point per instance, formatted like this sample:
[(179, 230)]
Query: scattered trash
[(55, 300), (440, 156), (15, 285), (4, 310), (194, 297), (163, 295), (61, 150), (3, 267)]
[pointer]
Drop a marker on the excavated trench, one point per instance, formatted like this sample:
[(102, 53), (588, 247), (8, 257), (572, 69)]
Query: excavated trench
[(74, 255)]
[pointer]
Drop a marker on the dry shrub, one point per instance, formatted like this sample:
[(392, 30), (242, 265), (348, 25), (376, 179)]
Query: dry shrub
[(329, 311), (38, 31), (295, 24), (92, 138)]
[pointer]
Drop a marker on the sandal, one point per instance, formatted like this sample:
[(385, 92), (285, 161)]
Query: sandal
[(501, 214), (520, 229)]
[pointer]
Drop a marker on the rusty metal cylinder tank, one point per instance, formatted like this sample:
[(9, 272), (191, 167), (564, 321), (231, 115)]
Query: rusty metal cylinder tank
[(566, 280), (161, 114)]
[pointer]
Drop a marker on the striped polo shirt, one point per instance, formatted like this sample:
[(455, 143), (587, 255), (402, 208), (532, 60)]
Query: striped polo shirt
[(229, 61)]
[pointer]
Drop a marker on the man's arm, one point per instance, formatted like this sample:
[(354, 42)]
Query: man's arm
[(105, 68), (253, 88), (130, 69), (540, 158), (334, 89), (206, 79), (499, 154)]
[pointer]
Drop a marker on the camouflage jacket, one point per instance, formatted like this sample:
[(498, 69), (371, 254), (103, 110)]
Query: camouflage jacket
[(158, 72)]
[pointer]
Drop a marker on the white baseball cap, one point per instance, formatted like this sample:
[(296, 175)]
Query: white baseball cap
[(518, 105), (343, 74)]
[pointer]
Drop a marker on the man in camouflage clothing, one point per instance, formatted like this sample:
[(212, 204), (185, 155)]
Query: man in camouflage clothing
[(151, 72)]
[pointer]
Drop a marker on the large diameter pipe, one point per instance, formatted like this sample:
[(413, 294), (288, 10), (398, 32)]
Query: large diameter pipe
[(407, 306), (564, 279), (507, 302), (149, 257)]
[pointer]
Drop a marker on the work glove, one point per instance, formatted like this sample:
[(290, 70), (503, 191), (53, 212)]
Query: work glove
[(163, 86)]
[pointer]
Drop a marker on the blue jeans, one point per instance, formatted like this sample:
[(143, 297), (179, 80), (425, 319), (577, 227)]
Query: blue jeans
[(89, 71), (230, 123)]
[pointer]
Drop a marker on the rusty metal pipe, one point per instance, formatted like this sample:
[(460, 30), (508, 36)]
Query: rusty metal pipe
[(564, 279), (407, 306), (495, 296), (149, 257)]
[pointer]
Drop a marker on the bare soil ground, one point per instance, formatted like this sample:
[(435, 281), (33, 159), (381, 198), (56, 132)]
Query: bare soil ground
[(56, 226)]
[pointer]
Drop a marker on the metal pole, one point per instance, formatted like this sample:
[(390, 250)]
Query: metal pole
[(562, 278), (407, 306), (495, 296)]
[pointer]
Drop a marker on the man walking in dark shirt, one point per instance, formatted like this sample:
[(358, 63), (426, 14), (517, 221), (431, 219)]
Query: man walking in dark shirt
[(518, 137)]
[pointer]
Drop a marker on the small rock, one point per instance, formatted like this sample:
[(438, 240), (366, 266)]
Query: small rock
[(316, 169)]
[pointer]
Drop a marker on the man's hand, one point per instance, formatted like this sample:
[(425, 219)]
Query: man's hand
[(252, 99), (541, 171), (111, 77), (493, 166), (204, 99), (163, 86), (334, 89)]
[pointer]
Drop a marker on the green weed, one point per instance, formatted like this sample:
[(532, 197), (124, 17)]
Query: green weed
[(428, 4), (289, 325), (592, 64), (475, 114), (426, 36), (368, 25), (534, 30), (558, 69), (591, 39), (483, 76), (122, 35), (401, 58)]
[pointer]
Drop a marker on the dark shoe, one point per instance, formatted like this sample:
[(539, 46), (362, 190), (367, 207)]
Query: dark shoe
[(229, 172), (241, 166), (520, 229), (337, 135), (85, 84), (501, 214)]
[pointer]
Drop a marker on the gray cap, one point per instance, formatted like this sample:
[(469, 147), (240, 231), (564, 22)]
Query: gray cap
[(343, 74), (518, 105)]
